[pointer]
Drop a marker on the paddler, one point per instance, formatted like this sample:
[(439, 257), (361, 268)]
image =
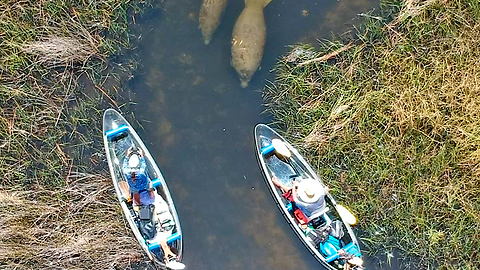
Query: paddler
[(134, 169)]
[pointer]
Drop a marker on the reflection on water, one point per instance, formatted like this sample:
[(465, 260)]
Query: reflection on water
[(262, 227), (198, 124)]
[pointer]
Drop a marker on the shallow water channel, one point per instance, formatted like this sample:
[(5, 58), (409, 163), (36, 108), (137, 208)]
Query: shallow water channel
[(198, 124)]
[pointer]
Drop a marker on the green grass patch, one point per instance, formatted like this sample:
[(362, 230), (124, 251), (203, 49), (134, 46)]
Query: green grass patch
[(57, 204), (61, 32), (392, 124)]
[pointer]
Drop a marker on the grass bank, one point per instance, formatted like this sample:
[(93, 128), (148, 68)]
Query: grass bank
[(391, 122), (57, 206)]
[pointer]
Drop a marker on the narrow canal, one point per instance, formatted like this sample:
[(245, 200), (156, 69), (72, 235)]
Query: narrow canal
[(198, 124)]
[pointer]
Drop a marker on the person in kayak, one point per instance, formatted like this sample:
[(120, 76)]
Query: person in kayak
[(134, 169), (308, 195)]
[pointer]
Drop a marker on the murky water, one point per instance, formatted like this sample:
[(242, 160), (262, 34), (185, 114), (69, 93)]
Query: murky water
[(198, 124)]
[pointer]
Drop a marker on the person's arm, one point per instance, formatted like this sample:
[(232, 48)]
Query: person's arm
[(143, 164), (283, 187), (294, 189), (129, 151), (166, 249), (125, 165)]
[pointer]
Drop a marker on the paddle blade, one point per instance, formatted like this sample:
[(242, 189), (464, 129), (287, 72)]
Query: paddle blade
[(281, 149), (346, 215), (174, 265)]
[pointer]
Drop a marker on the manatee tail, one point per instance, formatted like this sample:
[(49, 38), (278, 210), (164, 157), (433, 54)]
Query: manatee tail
[(266, 2), (262, 3)]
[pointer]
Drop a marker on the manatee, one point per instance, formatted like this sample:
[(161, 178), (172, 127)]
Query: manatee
[(248, 40), (210, 15)]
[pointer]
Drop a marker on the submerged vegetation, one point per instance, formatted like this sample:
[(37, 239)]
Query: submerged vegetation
[(56, 208), (392, 124)]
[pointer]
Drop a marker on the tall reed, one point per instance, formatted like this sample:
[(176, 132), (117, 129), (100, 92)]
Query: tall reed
[(392, 124), (57, 204)]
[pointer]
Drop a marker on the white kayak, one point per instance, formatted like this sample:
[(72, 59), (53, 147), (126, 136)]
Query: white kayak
[(150, 223), (326, 233)]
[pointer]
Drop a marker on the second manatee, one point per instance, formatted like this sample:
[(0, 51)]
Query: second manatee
[(248, 40), (210, 16)]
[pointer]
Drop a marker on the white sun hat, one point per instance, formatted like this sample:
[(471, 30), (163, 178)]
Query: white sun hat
[(134, 161), (310, 190)]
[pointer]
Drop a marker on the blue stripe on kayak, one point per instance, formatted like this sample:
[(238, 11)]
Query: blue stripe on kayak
[(156, 182), (267, 150), (289, 207), (331, 258), (352, 249), (171, 238), (113, 132), (153, 246)]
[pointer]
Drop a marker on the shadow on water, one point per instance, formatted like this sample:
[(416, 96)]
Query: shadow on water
[(198, 124)]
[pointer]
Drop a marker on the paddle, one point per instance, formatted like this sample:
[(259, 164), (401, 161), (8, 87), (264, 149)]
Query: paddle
[(283, 153), (281, 149), (346, 215)]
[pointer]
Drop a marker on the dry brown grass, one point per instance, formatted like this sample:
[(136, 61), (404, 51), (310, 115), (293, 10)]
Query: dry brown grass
[(62, 50), (79, 227), (393, 126), (54, 215)]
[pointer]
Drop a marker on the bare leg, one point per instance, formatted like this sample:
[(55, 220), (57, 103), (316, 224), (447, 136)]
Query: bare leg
[(125, 189), (283, 187), (166, 249), (151, 193), (136, 198)]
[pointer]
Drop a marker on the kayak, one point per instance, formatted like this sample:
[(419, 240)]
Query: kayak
[(152, 222), (326, 230)]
